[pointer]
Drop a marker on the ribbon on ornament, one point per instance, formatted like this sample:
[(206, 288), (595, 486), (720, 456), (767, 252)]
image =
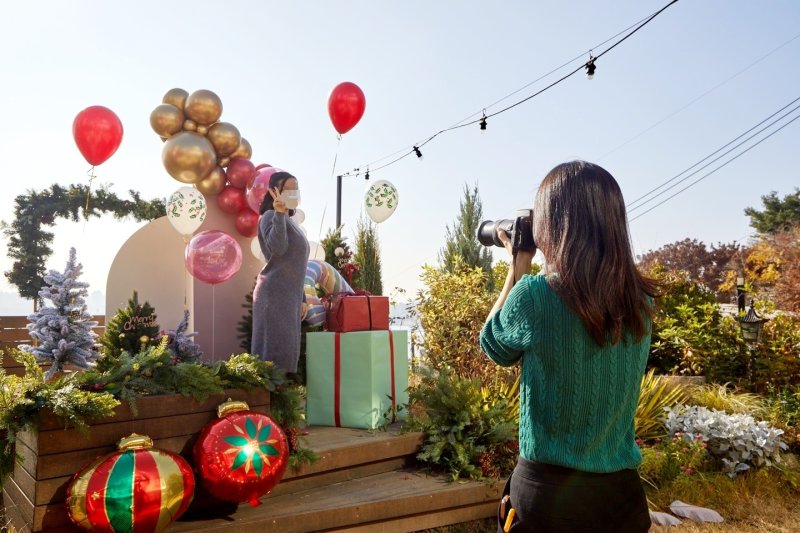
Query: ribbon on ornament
[(337, 376)]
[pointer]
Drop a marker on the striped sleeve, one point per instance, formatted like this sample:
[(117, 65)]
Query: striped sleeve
[(509, 332)]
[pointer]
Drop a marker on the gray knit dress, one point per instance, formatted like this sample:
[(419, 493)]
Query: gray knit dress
[(278, 295)]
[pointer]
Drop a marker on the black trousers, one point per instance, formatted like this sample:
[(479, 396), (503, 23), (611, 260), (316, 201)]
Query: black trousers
[(548, 498)]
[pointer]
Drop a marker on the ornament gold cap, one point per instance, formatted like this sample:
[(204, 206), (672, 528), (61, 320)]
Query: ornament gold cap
[(135, 442), (231, 406)]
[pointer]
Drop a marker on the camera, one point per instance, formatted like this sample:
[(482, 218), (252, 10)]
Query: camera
[(518, 229)]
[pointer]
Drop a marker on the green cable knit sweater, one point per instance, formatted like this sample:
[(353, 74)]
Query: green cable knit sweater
[(577, 400)]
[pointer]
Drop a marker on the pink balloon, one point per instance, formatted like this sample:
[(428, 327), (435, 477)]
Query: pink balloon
[(240, 172), (259, 186), (213, 256), (231, 200)]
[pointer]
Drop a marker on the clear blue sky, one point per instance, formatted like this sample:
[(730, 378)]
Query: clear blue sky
[(423, 66)]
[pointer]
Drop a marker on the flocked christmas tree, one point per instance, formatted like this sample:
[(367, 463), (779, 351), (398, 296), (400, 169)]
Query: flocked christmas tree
[(63, 331), (182, 344), (132, 329)]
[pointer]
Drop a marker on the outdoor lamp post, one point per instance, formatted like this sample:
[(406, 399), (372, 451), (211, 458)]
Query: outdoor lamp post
[(751, 325), (740, 292)]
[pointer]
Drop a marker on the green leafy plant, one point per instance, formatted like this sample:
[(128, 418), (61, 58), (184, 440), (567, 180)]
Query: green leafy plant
[(465, 429), (727, 398), (655, 395), (671, 458), (22, 397)]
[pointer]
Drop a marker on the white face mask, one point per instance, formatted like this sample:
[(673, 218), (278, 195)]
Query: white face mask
[(291, 198)]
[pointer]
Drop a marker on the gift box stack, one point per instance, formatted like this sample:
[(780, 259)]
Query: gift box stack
[(357, 370)]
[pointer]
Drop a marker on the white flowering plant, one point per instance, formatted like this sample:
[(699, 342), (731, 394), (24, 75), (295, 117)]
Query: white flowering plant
[(737, 440)]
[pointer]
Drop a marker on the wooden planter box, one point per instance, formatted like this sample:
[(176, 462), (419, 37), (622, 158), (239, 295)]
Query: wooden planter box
[(34, 497)]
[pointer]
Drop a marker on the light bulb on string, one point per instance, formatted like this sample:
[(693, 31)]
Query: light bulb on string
[(483, 122), (590, 67), (366, 176), (418, 152)]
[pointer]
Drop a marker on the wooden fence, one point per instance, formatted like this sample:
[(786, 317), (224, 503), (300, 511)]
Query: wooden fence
[(14, 331)]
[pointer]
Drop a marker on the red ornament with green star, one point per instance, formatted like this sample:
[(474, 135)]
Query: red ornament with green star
[(138, 489), (242, 455)]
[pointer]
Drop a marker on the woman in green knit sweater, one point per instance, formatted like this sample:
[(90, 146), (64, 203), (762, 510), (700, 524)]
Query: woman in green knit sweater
[(581, 330)]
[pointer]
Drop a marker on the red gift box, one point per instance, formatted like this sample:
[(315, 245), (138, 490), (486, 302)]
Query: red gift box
[(357, 312)]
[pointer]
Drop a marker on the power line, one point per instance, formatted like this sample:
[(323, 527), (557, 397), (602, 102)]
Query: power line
[(586, 65), (632, 207), (737, 156)]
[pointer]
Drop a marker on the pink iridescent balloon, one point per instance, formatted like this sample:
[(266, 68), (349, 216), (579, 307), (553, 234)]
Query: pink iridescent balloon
[(213, 256), (258, 188)]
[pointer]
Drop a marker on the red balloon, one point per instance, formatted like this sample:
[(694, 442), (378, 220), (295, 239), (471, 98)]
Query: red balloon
[(98, 133), (247, 223), (262, 165), (240, 172), (213, 256), (241, 456), (231, 200), (346, 105)]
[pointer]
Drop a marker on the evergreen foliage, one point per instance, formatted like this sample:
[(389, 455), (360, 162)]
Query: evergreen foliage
[(29, 244), (343, 262), (462, 240), (130, 330), (368, 257), (63, 331), (245, 326), (778, 215)]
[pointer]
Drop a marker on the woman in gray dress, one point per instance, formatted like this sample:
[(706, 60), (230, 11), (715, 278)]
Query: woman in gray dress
[(278, 298)]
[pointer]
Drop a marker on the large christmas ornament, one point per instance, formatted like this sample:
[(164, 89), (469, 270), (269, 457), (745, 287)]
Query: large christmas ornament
[(241, 456), (137, 489)]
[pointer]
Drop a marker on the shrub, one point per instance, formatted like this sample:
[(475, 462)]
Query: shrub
[(670, 458), (783, 408), (737, 440), (451, 311), (777, 360), (655, 395), (469, 432)]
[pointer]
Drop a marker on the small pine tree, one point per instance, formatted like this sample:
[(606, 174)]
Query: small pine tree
[(368, 257), (245, 325), (343, 260), (63, 331), (131, 329), (462, 240)]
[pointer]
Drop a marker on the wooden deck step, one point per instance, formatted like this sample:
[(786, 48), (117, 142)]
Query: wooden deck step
[(402, 500)]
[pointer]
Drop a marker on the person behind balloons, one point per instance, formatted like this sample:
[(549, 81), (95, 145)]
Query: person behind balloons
[(278, 298), (581, 330)]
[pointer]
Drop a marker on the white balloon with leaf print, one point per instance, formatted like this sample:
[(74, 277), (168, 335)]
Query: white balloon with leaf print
[(186, 210), (380, 200), (255, 248)]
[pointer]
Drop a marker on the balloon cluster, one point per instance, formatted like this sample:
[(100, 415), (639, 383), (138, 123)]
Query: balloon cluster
[(201, 150)]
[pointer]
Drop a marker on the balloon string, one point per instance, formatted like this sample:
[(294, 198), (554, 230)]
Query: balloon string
[(333, 173), (213, 323), (185, 279), (90, 172)]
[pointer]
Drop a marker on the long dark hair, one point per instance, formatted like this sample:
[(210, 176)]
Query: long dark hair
[(581, 226), (276, 180)]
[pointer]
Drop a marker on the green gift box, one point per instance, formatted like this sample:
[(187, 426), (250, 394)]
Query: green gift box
[(354, 385)]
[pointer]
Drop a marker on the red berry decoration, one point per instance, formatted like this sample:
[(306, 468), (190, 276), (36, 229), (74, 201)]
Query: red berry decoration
[(241, 456), (137, 489)]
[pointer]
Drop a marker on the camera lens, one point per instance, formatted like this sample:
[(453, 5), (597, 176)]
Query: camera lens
[(487, 231)]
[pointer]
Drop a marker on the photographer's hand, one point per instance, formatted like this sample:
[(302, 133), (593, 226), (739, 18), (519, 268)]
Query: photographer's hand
[(520, 265)]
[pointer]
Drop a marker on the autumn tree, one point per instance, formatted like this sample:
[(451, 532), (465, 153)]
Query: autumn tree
[(703, 265), (778, 216)]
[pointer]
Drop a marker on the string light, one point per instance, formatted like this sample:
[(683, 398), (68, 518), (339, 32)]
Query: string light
[(590, 67), (590, 70), (366, 176)]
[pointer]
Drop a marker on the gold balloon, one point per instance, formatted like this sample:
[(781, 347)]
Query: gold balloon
[(166, 120), (202, 130), (176, 97), (223, 161), (204, 107), (225, 137), (188, 157), (189, 125), (213, 183), (244, 150)]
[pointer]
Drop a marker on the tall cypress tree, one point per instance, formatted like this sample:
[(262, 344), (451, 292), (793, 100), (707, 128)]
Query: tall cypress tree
[(368, 256), (462, 241)]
